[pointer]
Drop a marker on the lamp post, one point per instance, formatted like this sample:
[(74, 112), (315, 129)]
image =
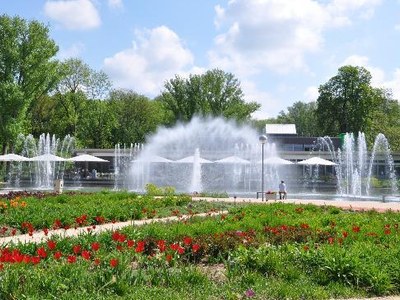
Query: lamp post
[(263, 140)]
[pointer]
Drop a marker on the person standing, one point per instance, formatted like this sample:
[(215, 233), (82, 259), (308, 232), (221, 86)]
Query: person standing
[(282, 190)]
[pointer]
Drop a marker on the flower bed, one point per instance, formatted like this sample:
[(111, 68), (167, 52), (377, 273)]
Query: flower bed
[(272, 251)]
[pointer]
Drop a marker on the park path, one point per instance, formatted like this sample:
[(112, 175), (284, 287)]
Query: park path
[(40, 236)]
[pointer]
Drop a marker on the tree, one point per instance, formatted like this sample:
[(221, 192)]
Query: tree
[(346, 101), (78, 85), (136, 117), (96, 128), (303, 115), (214, 93), (385, 119), (27, 72)]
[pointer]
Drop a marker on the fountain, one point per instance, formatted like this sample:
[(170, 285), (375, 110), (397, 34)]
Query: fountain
[(355, 168), (41, 174), (190, 157)]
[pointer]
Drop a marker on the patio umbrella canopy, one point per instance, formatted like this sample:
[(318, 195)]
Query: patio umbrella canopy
[(153, 159), (232, 160), (275, 160), (13, 157), (47, 157), (317, 161), (190, 159), (87, 157)]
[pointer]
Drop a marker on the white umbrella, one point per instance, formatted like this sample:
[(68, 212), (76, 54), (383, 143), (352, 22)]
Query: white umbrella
[(87, 157), (190, 159), (316, 161), (47, 157), (275, 160), (232, 160), (153, 159), (13, 157)]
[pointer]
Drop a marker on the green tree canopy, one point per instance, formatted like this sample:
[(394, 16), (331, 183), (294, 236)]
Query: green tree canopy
[(214, 93), (346, 101), (136, 116), (303, 115), (27, 72)]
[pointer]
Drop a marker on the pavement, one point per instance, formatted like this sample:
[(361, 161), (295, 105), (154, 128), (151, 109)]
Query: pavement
[(358, 205), (40, 236)]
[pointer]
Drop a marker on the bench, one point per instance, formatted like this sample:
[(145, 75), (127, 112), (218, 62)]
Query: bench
[(267, 196), (388, 196)]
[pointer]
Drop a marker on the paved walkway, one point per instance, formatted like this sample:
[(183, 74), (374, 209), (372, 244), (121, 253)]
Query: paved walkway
[(39, 236), (345, 204)]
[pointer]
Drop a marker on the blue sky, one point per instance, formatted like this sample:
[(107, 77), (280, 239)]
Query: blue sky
[(280, 50)]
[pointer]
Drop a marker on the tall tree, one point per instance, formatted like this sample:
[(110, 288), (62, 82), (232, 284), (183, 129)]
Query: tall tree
[(385, 119), (214, 93), (78, 85), (27, 72), (97, 125), (346, 101), (303, 115), (136, 117)]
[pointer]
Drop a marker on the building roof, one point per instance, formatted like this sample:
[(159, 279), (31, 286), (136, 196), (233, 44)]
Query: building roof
[(280, 129)]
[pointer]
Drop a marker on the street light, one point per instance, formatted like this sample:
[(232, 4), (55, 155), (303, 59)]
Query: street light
[(263, 140)]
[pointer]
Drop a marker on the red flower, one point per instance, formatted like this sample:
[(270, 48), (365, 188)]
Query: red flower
[(140, 246), (71, 259), (168, 257), (130, 243), (356, 229), (115, 236), (100, 219), (76, 249), (51, 244), (46, 231), (35, 260), (57, 255), (181, 250), (113, 262), (161, 245), (95, 246), (85, 254), (345, 234), (96, 261), (41, 252), (57, 224), (195, 248), (187, 240), (387, 231), (304, 226), (120, 248), (331, 240), (27, 259)]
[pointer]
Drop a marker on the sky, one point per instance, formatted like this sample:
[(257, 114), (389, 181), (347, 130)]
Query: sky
[(281, 51)]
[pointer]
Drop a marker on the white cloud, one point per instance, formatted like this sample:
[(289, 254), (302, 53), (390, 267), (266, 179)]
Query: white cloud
[(115, 3), (377, 74), (278, 34), (155, 56), (311, 94), (342, 11), (394, 84), (73, 14), (74, 50), (379, 78), (267, 34)]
